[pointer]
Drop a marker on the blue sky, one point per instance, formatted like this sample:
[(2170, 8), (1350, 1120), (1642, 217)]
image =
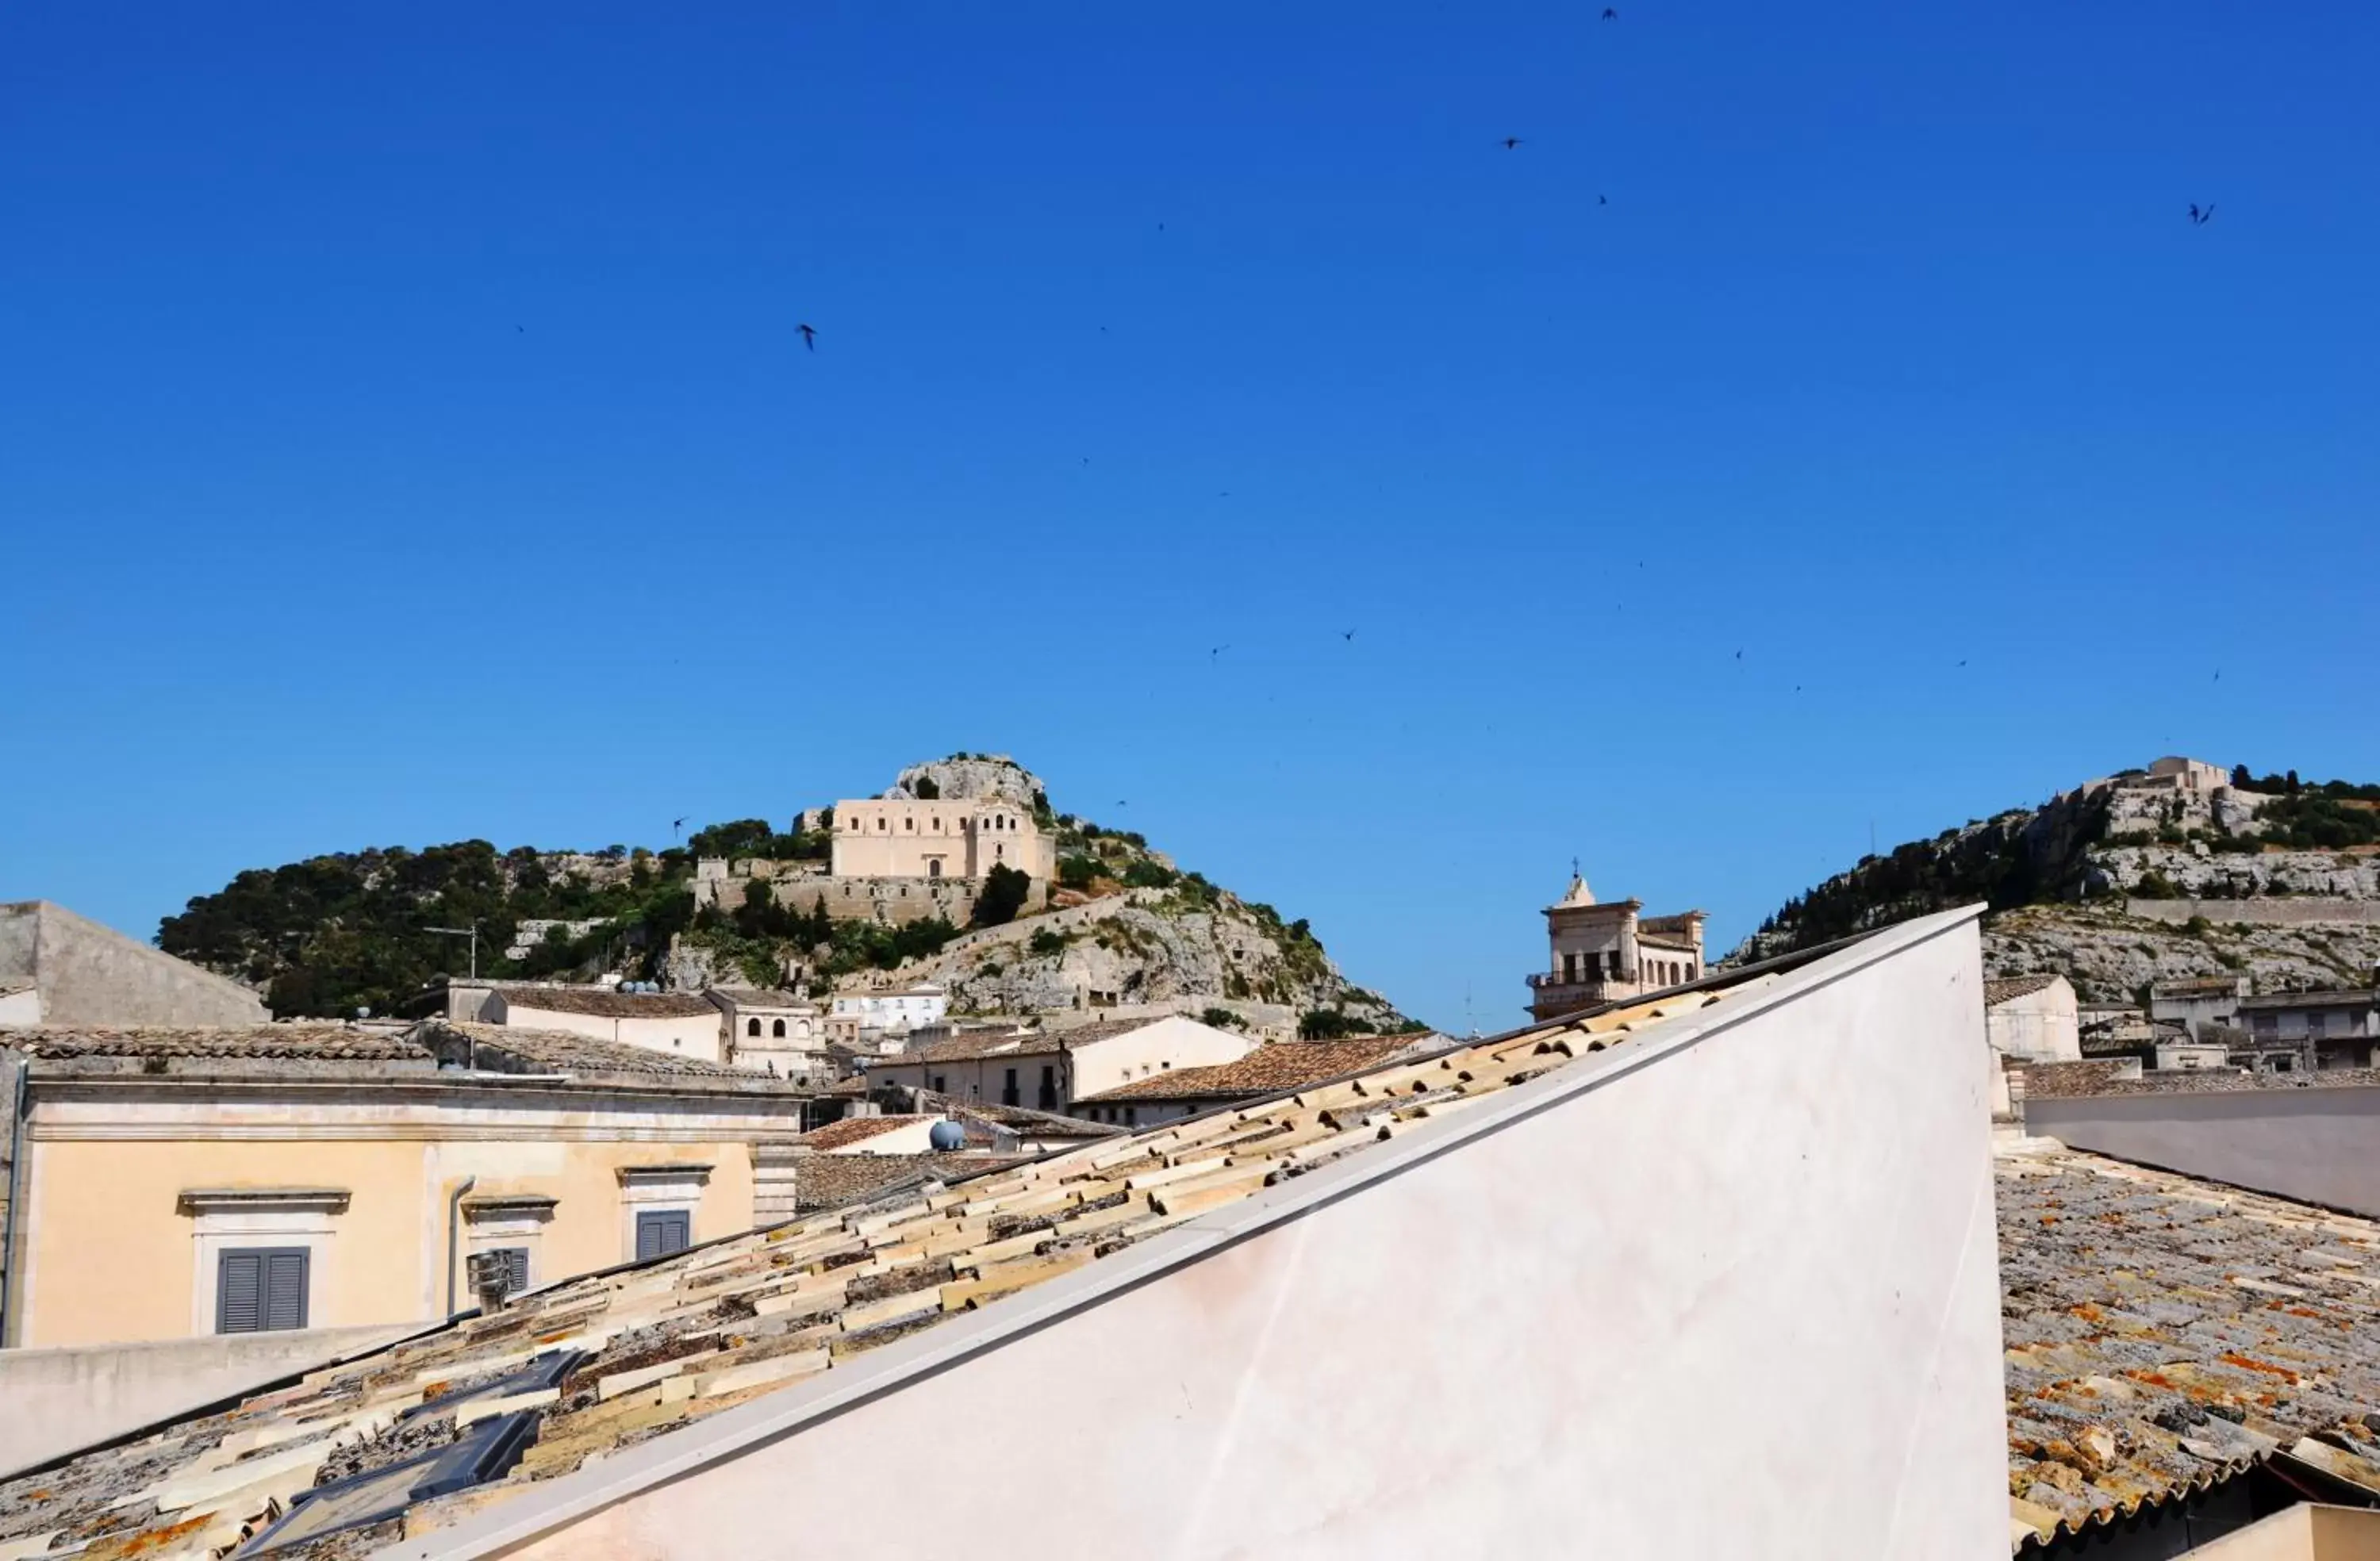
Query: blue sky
[(404, 436)]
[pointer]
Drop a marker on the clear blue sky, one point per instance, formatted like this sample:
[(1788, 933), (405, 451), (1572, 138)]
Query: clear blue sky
[(404, 435)]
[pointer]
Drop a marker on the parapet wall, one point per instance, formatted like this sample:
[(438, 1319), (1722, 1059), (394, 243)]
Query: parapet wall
[(895, 900)]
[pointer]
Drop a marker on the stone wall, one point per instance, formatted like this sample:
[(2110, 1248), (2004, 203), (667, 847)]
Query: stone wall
[(895, 901), (2259, 913)]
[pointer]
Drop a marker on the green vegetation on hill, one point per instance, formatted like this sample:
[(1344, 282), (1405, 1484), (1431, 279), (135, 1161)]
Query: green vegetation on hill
[(332, 934)]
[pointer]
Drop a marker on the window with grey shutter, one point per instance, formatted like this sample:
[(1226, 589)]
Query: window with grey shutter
[(260, 1290), (661, 1231)]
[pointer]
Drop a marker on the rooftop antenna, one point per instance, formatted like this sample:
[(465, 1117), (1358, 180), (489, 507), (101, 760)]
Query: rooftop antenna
[(471, 932)]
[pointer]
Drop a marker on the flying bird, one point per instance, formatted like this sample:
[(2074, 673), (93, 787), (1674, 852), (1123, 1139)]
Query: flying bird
[(1603, 200), (1216, 651), (1511, 142), (1611, 15), (2218, 675), (809, 336), (522, 329), (1962, 661), (1350, 635), (2199, 216), (1739, 655)]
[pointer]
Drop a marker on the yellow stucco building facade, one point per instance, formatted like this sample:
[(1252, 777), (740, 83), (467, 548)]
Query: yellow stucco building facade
[(171, 1183)]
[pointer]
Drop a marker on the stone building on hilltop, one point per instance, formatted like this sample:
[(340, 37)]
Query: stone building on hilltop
[(910, 838), (1605, 952)]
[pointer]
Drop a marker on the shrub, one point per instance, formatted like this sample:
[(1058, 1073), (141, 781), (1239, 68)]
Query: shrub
[(2154, 885), (1144, 873), (1221, 1019), (1005, 889), (1076, 871), (1329, 1024), (1047, 942)]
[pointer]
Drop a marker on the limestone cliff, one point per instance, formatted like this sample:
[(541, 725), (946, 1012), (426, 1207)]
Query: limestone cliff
[(2123, 883)]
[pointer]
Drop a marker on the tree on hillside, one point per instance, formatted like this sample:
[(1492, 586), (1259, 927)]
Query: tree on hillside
[(1005, 889)]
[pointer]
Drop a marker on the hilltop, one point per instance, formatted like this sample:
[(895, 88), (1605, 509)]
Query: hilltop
[(1119, 923), (2145, 876)]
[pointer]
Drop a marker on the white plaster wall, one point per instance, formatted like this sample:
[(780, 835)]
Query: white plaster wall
[(1179, 1043), (684, 1036), (2320, 1145), (20, 1007), (2043, 1026), (1738, 1300)]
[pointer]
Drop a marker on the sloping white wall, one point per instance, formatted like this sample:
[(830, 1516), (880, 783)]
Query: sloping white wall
[(1729, 1290)]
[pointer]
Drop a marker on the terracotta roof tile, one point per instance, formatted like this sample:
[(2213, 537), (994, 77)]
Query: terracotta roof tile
[(1268, 1070), (602, 1002), (2164, 1333), (857, 1130), (516, 1048), (1998, 992), (298, 1041)]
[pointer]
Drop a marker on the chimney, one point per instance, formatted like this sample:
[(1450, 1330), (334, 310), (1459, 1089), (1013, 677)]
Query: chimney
[(491, 1280)]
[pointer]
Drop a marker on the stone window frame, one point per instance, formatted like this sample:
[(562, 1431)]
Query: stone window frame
[(658, 1189), (224, 1218), (501, 1219)]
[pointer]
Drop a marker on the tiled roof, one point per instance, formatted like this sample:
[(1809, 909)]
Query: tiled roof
[(2043, 1080), (969, 1045), (826, 1181), (1268, 1070), (515, 1048), (601, 1002), (676, 1340), (2351, 998), (283, 1043), (2164, 1333), (1021, 1119), (1998, 992), (857, 1130), (758, 997)]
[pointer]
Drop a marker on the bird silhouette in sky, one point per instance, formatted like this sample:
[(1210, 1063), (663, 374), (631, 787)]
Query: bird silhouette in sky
[(1511, 142), (1348, 635), (2200, 217), (676, 825), (2219, 674), (1603, 200), (1739, 655), (1216, 651), (1962, 661), (809, 336), (1611, 15), (522, 329)]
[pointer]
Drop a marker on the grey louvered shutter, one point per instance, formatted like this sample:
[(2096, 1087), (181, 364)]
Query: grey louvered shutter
[(660, 1232), (515, 1270), (284, 1289), (240, 1292)]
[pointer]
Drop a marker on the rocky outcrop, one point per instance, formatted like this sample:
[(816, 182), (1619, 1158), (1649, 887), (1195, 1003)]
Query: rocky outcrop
[(2111, 955), (965, 777), (1172, 948)]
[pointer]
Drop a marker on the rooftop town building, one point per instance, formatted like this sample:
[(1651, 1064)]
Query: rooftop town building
[(680, 1024), (1605, 952), (1397, 1314), (2330, 1029), (1051, 1070), (906, 838), (2032, 1017), (59, 968), (1261, 1074), (192, 1181), (773, 1032), (873, 1015)]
